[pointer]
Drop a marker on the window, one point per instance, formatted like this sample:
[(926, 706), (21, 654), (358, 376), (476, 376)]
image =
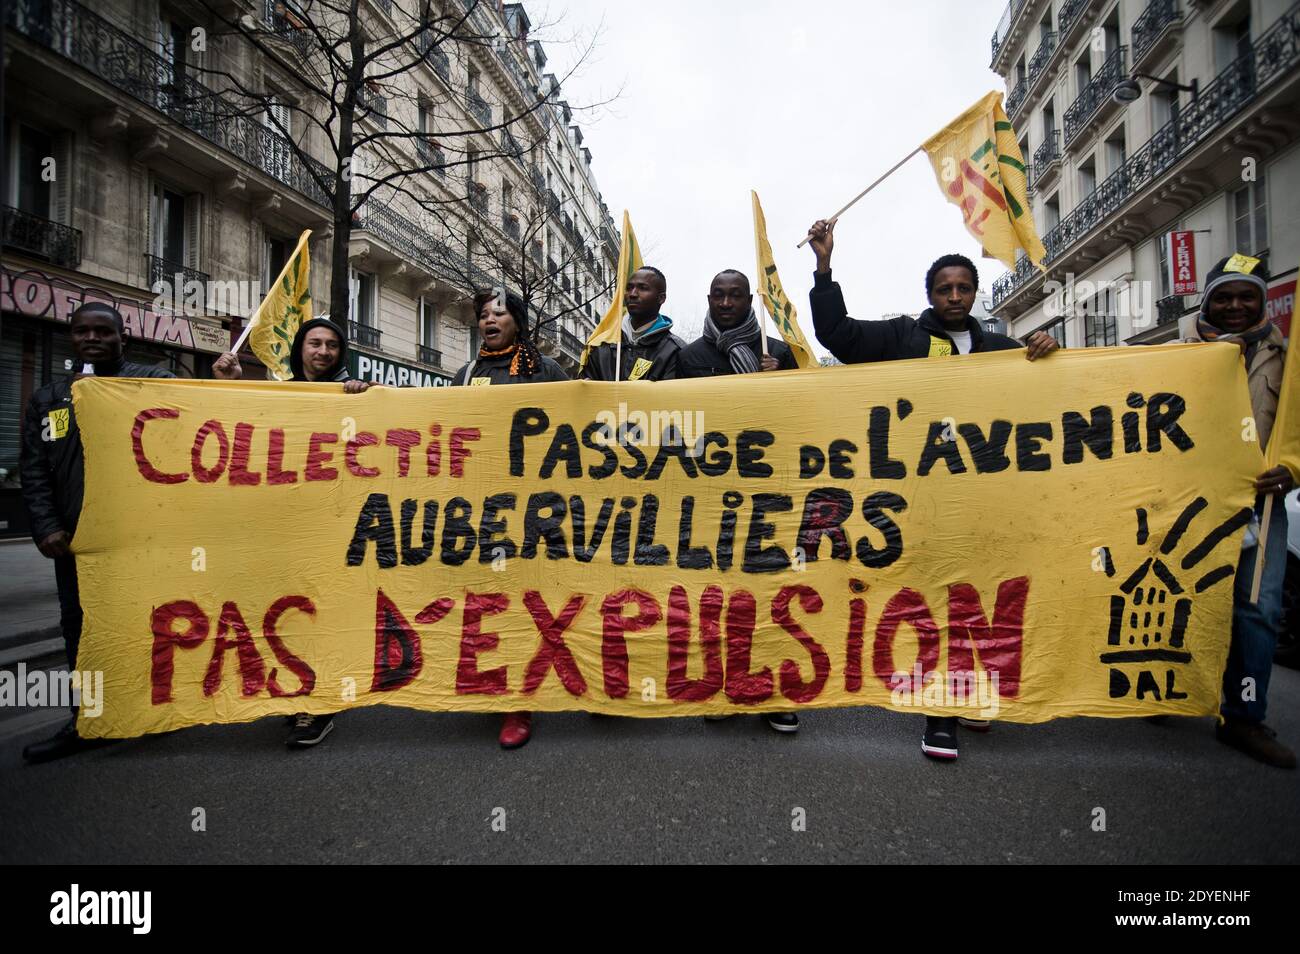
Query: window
[(175, 227), (1082, 71), (1116, 151), (1052, 212), (279, 154), (1232, 37), (472, 81), (275, 252), (428, 323), (1250, 216), (29, 189), (507, 198), (361, 298), (1162, 264), (1057, 330), (1099, 325), (1087, 177)]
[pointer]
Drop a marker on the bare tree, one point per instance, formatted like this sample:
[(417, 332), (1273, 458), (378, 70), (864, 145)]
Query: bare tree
[(385, 133)]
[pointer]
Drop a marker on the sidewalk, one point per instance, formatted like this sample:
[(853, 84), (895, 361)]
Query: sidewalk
[(29, 598)]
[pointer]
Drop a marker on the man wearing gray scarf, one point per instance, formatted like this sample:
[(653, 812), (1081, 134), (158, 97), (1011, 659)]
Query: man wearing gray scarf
[(731, 342)]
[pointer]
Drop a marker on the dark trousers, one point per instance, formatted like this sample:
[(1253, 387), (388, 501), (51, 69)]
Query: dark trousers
[(65, 575)]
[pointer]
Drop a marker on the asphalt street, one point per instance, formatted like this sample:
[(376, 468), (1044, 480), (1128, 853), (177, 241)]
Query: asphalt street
[(393, 785)]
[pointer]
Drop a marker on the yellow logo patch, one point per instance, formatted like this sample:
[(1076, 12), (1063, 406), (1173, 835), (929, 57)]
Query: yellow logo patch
[(479, 382), (940, 348), (639, 369), (59, 417)]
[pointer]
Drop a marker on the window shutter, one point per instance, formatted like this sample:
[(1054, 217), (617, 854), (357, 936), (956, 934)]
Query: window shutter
[(193, 230), (63, 183)]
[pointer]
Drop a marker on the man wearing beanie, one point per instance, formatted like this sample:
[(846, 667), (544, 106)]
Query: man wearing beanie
[(1232, 311), (319, 353)]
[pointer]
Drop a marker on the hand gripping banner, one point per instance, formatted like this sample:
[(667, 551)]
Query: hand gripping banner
[(980, 535)]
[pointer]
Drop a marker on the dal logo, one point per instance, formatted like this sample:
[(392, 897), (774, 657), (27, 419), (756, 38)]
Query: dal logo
[(1150, 614), (77, 907)]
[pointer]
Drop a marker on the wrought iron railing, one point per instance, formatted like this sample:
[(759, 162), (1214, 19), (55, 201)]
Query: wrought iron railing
[(1069, 15), (1004, 25), (1047, 155), (39, 237), (510, 225), (1016, 98), (1148, 27), (364, 335), (174, 274), (117, 58), (536, 179), (1038, 62), (429, 356), (552, 201), (571, 343), (1274, 53), (478, 196), (429, 152), (288, 23), (1095, 94), (435, 55), (510, 145), (478, 108), (1169, 309), (373, 105)]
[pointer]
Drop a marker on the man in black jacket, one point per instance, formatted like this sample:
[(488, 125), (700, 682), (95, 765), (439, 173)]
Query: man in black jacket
[(319, 353), (53, 477), (944, 329), (730, 344), (650, 349)]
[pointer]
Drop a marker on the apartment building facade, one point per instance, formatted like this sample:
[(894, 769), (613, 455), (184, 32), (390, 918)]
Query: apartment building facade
[(1138, 118), (129, 179)]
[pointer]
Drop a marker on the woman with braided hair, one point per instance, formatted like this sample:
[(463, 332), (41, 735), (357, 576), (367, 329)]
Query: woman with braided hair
[(508, 356)]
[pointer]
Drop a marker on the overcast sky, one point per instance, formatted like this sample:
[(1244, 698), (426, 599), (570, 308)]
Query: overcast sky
[(805, 102)]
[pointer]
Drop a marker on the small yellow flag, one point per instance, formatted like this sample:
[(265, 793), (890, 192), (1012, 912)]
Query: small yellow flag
[(629, 260), (276, 320), (1284, 440), (769, 287), (982, 172)]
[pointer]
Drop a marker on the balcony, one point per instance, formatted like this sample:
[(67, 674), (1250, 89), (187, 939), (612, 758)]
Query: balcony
[(363, 334), (510, 145), (429, 356), (407, 239), (373, 106), (118, 59), (510, 225), (430, 154), (478, 197), (571, 344), (552, 201), (1095, 96), (1047, 158), (1042, 56), (435, 56), (40, 238), (1274, 54), (160, 270), (1016, 98), (536, 180), (1072, 15), (478, 108), (1004, 25), (288, 24), (1160, 23), (1169, 310)]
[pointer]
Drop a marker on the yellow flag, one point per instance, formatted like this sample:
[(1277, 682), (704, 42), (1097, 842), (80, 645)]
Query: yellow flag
[(629, 260), (769, 286), (982, 172), (277, 319), (1284, 440)]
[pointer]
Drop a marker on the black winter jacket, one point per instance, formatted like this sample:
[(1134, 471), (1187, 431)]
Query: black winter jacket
[(662, 349), (856, 342), (497, 371), (702, 358), (52, 465)]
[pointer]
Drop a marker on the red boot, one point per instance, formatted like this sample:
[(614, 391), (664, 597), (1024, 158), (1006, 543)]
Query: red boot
[(516, 729)]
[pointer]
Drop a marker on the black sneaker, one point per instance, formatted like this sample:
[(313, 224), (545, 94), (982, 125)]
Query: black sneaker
[(63, 743), (975, 725), (309, 729), (783, 721), (1256, 740), (940, 739)]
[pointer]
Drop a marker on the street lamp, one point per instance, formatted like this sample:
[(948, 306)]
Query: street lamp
[(1128, 91)]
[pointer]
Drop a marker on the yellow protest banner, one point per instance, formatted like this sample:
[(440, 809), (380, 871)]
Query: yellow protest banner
[(980, 170), (274, 324), (1062, 544), (610, 328), (1284, 441), (778, 305)]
